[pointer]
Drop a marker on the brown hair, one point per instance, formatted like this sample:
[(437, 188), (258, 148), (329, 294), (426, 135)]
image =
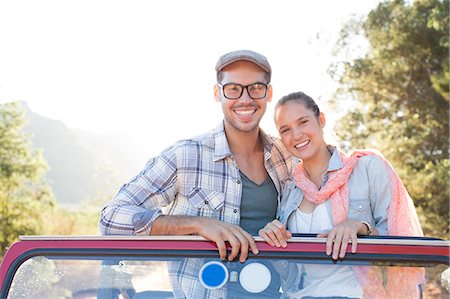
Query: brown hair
[(300, 98)]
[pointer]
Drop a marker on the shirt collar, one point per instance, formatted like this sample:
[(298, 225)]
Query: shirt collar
[(335, 163), (222, 149), (335, 160), (266, 140)]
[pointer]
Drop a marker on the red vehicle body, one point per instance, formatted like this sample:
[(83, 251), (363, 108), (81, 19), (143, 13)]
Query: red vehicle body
[(75, 267)]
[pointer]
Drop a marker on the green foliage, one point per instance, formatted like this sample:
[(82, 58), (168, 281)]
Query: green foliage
[(399, 93), (24, 198)]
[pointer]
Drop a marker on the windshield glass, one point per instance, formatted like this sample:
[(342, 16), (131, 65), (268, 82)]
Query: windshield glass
[(171, 277)]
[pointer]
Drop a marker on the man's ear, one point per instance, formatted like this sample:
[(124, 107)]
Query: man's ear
[(217, 93), (269, 93)]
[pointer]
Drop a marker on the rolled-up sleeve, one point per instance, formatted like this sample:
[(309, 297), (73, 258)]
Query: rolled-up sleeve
[(138, 203)]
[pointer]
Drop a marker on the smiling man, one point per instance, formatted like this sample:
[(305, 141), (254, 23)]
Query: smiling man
[(223, 185)]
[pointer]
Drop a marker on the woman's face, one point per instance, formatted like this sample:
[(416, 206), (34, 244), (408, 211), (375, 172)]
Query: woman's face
[(300, 130)]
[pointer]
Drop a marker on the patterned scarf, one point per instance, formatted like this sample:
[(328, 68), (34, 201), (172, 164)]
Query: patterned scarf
[(402, 220)]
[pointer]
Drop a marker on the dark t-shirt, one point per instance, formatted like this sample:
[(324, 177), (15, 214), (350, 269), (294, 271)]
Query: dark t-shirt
[(258, 207), (258, 204)]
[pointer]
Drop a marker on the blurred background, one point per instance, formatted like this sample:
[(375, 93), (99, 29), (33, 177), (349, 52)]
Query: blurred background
[(90, 90)]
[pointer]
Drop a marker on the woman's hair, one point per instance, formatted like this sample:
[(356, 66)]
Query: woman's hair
[(300, 98)]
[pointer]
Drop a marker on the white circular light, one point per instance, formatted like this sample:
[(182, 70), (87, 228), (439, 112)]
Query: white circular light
[(255, 277)]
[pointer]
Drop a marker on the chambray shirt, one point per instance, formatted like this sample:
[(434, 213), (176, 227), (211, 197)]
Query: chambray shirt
[(369, 192), (196, 177)]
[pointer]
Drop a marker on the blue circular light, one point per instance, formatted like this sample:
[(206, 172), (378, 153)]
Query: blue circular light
[(213, 275)]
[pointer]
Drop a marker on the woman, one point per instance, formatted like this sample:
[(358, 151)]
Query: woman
[(339, 197)]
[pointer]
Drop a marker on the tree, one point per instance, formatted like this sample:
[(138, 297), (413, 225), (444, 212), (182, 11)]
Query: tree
[(25, 199), (399, 94)]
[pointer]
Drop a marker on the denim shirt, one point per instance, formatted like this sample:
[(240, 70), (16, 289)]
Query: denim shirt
[(369, 191)]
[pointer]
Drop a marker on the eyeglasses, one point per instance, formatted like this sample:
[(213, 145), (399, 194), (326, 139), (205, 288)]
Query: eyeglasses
[(234, 91)]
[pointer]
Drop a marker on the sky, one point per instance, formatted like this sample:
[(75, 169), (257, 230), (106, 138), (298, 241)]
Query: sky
[(146, 68)]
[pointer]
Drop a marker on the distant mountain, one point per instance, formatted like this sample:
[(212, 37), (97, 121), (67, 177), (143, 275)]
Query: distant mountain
[(83, 165)]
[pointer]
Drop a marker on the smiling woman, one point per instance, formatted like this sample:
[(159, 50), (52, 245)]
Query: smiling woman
[(340, 196)]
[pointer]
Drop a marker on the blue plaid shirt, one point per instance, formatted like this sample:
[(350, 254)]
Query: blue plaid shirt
[(196, 177)]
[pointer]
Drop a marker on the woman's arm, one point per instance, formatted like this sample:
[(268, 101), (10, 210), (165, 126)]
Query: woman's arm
[(374, 188)]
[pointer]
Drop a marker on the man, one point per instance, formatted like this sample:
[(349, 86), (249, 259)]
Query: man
[(224, 185)]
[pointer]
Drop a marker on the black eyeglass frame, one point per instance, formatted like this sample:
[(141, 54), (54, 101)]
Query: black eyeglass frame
[(243, 87)]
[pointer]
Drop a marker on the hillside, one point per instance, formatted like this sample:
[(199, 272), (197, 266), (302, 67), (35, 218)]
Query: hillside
[(83, 165)]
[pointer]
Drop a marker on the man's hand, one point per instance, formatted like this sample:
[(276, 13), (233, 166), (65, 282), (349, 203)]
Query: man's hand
[(211, 229), (275, 234), (219, 232)]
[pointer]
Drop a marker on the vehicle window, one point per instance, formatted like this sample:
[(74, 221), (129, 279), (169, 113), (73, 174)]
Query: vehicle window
[(157, 277)]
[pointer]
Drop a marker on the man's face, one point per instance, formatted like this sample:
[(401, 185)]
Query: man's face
[(245, 113)]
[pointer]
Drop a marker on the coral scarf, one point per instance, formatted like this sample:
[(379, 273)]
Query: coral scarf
[(402, 220)]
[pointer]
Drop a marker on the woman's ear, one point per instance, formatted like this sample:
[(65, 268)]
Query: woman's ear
[(322, 120)]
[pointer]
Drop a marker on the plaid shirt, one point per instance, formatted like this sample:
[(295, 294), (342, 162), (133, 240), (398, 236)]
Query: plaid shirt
[(196, 177)]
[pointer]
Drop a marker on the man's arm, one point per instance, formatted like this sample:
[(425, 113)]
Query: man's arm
[(138, 203), (211, 229), (136, 210)]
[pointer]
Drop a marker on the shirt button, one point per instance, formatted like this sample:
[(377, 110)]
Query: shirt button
[(238, 182), (360, 206), (235, 211), (206, 202)]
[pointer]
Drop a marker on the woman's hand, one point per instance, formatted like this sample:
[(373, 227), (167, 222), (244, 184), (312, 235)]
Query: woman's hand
[(340, 236), (275, 234)]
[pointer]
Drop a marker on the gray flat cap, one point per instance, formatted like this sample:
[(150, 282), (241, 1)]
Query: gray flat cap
[(248, 55)]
